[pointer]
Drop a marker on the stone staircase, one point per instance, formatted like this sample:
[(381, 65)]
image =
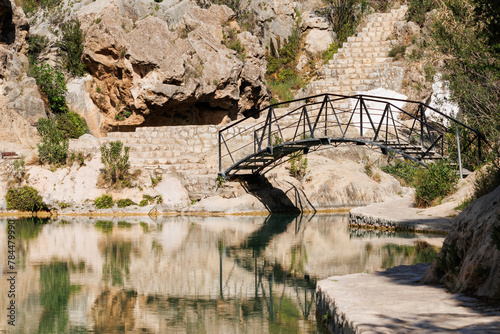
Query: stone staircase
[(188, 152), (363, 62)]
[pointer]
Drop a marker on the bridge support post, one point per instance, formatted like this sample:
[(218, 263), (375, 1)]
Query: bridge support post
[(459, 154)]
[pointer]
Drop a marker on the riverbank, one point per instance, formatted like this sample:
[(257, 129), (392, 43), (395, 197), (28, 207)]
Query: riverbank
[(393, 301)]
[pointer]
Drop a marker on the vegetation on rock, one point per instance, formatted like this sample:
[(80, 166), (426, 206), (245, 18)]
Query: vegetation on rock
[(53, 85), (71, 125), (298, 165), (431, 184), (465, 34), (24, 199), (53, 148), (71, 45), (104, 202), (281, 73), (115, 158), (434, 182), (124, 202)]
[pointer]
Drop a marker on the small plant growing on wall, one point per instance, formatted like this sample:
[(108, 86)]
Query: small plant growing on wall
[(298, 165), (115, 158)]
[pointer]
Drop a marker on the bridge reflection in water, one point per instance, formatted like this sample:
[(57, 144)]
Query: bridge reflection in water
[(189, 274), (255, 143)]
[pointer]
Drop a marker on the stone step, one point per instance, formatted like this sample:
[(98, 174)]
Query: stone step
[(366, 45)]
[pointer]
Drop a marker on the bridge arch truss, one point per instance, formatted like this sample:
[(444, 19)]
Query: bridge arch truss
[(258, 142)]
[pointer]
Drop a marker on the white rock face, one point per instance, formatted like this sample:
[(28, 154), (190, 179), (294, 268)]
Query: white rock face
[(318, 40), (174, 195), (440, 100), (79, 101)]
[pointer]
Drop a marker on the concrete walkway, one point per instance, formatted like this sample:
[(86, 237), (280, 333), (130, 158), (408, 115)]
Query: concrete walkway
[(401, 214), (394, 302)]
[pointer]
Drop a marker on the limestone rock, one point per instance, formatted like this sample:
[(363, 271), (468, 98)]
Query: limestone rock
[(174, 195), (469, 261), (79, 100), (20, 103), (180, 74), (318, 40)]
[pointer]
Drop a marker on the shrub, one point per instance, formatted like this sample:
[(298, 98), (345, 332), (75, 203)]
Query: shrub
[(115, 160), (332, 49), (17, 170), (71, 44), (54, 148), (104, 202), (36, 45), (403, 171), (24, 198), (435, 182), (417, 10), (71, 124), (298, 165), (397, 51), (76, 156), (53, 86), (123, 203), (30, 6), (143, 202), (155, 180)]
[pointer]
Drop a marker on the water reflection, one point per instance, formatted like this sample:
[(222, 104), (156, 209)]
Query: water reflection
[(189, 274)]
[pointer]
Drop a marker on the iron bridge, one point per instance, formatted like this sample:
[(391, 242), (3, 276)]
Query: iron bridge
[(258, 142)]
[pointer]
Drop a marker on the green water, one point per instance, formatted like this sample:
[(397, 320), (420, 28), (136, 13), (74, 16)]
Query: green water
[(188, 274)]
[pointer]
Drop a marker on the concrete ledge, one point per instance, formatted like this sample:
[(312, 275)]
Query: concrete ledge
[(395, 302), (399, 214)]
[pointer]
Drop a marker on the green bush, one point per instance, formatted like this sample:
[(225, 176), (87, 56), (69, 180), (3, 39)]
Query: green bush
[(465, 32), (71, 124), (332, 49), (143, 202), (53, 148), (71, 45), (403, 171), (345, 15), (435, 182), (24, 198), (298, 165), (31, 6), (36, 45), (115, 160), (104, 202), (123, 203), (397, 51), (53, 85), (417, 10)]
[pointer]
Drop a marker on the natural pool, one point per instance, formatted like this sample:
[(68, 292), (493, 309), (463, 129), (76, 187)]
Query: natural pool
[(187, 274)]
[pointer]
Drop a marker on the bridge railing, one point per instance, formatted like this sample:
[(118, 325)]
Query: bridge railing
[(360, 118)]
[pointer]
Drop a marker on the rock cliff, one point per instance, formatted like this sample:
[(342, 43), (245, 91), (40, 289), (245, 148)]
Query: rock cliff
[(20, 102), (470, 259), (169, 64)]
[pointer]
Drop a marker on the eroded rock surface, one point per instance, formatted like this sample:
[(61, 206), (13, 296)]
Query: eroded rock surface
[(169, 67), (20, 103), (469, 261)]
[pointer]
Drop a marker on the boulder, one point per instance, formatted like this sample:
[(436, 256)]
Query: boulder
[(318, 41)]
